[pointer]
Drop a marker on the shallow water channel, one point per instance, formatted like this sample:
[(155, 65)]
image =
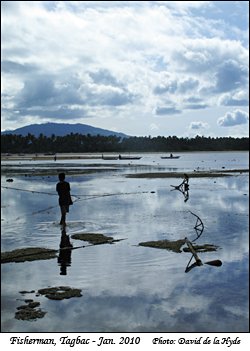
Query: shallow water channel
[(126, 287)]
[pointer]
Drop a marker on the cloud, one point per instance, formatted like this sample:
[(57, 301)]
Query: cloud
[(167, 110), (154, 127), (17, 68), (60, 112), (108, 96), (239, 98), (170, 85), (167, 87), (233, 118), (230, 76), (193, 103), (195, 106), (198, 125), (47, 91), (120, 60), (211, 55), (67, 97), (104, 76)]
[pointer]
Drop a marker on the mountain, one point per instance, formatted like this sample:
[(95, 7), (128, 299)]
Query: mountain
[(61, 129)]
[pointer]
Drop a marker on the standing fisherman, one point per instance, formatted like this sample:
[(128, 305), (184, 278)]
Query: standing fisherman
[(63, 189)]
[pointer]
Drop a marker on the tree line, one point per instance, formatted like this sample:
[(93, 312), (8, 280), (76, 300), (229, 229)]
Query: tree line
[(12, 143)]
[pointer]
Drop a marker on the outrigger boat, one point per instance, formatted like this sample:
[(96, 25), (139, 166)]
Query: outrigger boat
[(170, 157), (109, 157), (129, 157)]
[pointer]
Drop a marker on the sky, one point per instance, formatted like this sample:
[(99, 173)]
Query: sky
[(144, 68)]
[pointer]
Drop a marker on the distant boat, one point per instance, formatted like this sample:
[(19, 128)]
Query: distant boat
[(129, 157), (109, 157), (170, 157)]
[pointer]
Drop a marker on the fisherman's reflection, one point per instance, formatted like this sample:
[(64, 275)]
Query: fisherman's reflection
[(183, 187), (64, 259)]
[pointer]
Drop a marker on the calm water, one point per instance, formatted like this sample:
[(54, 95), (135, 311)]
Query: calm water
[(126, 287)]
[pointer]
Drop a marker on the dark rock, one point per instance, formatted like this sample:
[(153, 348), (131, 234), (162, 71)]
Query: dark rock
[(165, 244), (60, 292)]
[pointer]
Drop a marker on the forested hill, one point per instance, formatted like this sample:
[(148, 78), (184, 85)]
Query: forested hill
[(61, 129), (98, 143)]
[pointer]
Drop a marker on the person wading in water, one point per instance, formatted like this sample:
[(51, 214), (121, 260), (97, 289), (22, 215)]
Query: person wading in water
[(63, 190)]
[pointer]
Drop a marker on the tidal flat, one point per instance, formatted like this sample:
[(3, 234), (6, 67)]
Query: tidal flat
[(127, 287)]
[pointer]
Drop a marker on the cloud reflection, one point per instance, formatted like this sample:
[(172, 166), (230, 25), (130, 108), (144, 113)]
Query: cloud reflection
[(125, 287)]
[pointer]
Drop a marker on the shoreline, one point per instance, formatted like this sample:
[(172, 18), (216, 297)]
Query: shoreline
[(87, 171), (197, 174), (94, 155)]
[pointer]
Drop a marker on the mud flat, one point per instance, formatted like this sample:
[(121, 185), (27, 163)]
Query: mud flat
[(28, 254), (38, 253), (30, 311), (94, 238), (176, 246), (198, 174), (39, 157)]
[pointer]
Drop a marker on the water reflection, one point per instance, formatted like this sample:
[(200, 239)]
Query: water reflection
[(183, 187), (64, 258), (129, 288), (199, 228)]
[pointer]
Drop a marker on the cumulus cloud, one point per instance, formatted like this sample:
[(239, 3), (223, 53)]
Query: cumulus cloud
[(239, 98), (233, 118), (181, 86), (166, 110), (120, 59), (193, 103), (47, 91), (167, 87), (104, 76), (215, 56), (230, 76), (196, 106), (198, 125)]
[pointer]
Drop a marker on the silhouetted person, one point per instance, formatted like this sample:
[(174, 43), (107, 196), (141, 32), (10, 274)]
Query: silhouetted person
[(64, 258), (63, 189), (185, 182)]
